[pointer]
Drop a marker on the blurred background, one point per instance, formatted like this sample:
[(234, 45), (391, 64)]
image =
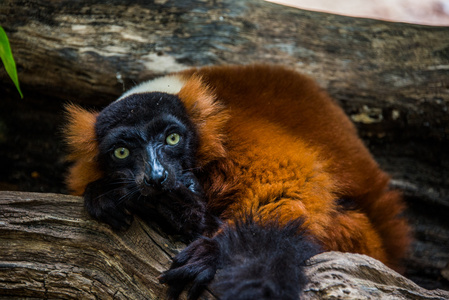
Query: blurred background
[(427, 12)]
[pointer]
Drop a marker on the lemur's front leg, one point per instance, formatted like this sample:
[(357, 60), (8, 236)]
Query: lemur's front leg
[(107, 204), (185, 209)]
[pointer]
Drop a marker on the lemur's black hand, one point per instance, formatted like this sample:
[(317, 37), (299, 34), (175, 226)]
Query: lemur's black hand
[(105, 204), (184, 210), (184, 207), (196, 264)]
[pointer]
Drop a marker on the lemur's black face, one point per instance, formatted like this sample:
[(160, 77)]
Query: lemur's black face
[(147, 141), (147, 146)]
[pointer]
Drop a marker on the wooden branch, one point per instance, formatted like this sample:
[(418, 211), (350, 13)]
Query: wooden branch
[(392, 79), (88, 50), (50, 248), (336, 275)]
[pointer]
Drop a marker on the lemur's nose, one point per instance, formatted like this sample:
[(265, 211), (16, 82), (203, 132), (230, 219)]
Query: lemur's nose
[(156, 177)]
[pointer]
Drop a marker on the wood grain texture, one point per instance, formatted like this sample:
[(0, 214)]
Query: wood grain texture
[(50, 248), (392, 80), (336, 275)]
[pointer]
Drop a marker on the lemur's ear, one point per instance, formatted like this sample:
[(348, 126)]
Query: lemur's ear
[(82, 144), (208, 115)]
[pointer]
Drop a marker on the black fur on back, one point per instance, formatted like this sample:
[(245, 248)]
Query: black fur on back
[(263, 261)]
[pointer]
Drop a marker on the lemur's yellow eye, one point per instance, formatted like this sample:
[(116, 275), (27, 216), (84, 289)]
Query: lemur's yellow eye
[(173, 139), (121, 153)]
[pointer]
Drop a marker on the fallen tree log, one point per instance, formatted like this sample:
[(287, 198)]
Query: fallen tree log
[(392, 79), (50, 248), (336, 275)]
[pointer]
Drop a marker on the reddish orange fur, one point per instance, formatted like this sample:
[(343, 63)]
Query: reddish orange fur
[(292, 152), (272, 143), (82, 143), (208, 115)]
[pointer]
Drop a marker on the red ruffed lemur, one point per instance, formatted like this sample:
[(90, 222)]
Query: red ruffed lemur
[(255, 163)]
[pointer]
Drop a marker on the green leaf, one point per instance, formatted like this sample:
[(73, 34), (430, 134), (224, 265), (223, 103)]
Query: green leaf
[(8, 59)]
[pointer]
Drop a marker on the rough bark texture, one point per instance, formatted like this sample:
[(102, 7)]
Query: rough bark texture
[(336, 275), (392, 79), (49, 248)]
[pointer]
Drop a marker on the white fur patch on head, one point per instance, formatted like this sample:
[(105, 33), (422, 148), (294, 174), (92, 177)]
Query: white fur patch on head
[(170, 84)]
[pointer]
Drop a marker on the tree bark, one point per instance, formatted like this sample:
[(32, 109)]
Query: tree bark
[(392, 79), (336, 275), (50, 248)]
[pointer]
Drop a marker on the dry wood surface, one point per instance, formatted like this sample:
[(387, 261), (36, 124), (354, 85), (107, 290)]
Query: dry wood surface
[(50, 248)]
